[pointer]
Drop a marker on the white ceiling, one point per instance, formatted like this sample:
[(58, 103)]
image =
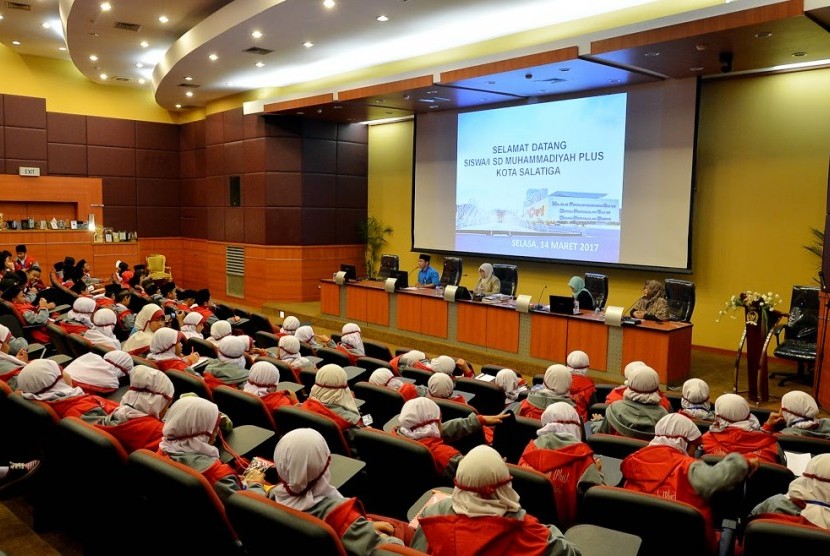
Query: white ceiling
[(347, 38)]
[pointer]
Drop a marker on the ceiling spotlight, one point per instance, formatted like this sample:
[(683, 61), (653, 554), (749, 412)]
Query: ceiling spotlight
[(104, 76), (491, 82), (259, 64), (319, 110), (564, 69), (93, 57), (799, 54), (652, 54), (46, 25), (701, 46), (144, 44), (696, 68), (178, 106), (308, 44), (106, 6), (383, 18), (163, 19), (189, 94), (142, 81), (139, 65), (213, 57), (62, 48), (329, 4), (188, 78), (257, 34), (16, 43), (763, 35)]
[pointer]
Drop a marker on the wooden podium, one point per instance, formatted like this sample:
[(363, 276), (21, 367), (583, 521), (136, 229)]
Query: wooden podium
[(758, 327)]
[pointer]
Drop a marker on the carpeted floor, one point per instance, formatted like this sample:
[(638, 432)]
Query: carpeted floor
[(18, 539)]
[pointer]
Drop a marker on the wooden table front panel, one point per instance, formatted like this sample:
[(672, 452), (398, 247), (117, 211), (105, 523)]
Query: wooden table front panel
[(472, 323), (548, 337), (591, 337), (377, 306), (434, 316), (667, 351), (330, 298), (356, 303), (503, 329), (409, 312)]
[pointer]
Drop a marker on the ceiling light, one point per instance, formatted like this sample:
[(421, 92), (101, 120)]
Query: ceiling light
[(16, 43), (799, 54), (491, 83), (189, 94), (139, 65), (383, 18), (62, 48), (178, 106), (144, 44), (188, 78), (213, 57), (46, 25), (329, 4), (163, 19), (696, 68), (564, 69), (763, 35), (103, 76), (257, 34), (652, 54), (259, 64), (308, 44), (106, 6), (142, 81), (93, 57), (1, 16)]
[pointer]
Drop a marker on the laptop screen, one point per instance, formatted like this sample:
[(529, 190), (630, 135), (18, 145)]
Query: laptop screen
[(563, 304)]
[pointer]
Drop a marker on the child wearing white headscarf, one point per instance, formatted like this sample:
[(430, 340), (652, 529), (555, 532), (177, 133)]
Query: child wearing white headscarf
[(798, 415), (103, 331), (488, 283), (807, 501), (306, 335), (229, 366), (96, 374), (695, 401), (351, 342), (149, 319), (190, 428), (193, 324), (637, 414), (290, 324), (219, 330), (79, 319), (556, 388), (441, 364), (303, 460), (616, 394), (330, 396), (288, 350), (736, 430), (559, 453), (137, 422), (408, 359), (510, 383), (583, 389), (484, 516), (263, 381), (442, 386), (385, 377), (12, 360), (43, 380)]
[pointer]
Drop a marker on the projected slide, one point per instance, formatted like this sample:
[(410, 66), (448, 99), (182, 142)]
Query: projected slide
[(542, 180)]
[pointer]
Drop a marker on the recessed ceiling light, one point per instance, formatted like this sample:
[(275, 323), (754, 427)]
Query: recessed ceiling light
[(1, 16), (189, 94), (308, 44), (62, 48), (178, 106), (139, 65), (103, 76), (144, 44), (491, 83), (213, 57), (328, 4), (383, 18), (564, 69), (300, 113), (799, 54), (696, 68), (188, 78), (257, 34), (16, 43), (613, 81), (46, 25), (106, 6), (763, 35), (652, 54), (142, 81), (259, 64), (163, 18), (93, 57)]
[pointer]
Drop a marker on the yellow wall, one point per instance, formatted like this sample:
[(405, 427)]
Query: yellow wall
[(763, 147)]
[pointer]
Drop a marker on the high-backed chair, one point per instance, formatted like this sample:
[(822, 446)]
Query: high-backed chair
[(453, 410), (597, 284), (388, 263), (222, 311), (7, 308), (512, 435), (769, 479), (259, 521), (287, 374), (381, 403), (243, 408), (200, 346), (680, 297), (184, 382), (57, 336), (804, 444), (265, 339), (331, 355), (157, 266), (170, 492), (508, 275), (535, 491), (372, 364), (654, 519), (260, 323), (78, 345), (377, 350), (412, 460), (614, 446), (768, 536), (451, 275), (289, 418), (800, 335), (489, 398), (420, 376)]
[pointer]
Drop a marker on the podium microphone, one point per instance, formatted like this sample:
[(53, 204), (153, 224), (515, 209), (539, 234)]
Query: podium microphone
[(539, 303), (821, 280)]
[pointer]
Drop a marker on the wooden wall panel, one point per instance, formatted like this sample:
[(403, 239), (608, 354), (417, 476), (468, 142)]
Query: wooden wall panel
[(409, 312), (330, 298), (472, 323), (356, 300), (377, 307), (548, 337), (434, 314), (503, 329), (590, 337)]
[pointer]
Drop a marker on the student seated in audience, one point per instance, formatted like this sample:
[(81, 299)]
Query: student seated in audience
[(385, 377), (11, 361), (6, 263), (203, 305), (23, 261), (330, 396), (229, 366), (96, 374), (288, 351), (510, 383), (581, 295), (617, 393), (137, 421), (556, 386), (305, 334), (186, 300), (442, 386), (83, 273), (667, 469), (807, 501), (168, 296), (290, 324), (484, 516), (652, 305), (351, 342), (32, 315), (193, 324), (798, 415), (639, 410), (407, 359), (569, 463), (583, 389), (695, 401), (420, 420), (10, 344), (166, 351), (488, 283), (441, 364), (122, 274), (151, 290), (218, 330), (126, 318), (34, 284), (149, 319), (191, 427), (15, 474), (736, 429), (42, 380), (302, 460), (103, 329), (263, 382)]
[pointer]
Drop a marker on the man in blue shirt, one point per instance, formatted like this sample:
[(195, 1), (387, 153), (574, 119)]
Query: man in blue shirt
[(427, 276)]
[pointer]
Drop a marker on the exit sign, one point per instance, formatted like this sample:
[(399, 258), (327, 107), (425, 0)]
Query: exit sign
[(27, 171)]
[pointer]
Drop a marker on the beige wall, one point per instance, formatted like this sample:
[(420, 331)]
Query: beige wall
[(763, 146)]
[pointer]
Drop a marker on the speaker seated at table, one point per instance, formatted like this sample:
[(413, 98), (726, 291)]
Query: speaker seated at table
[(680, 297), (387, 264), (451, 276), (597, 284), (508, 275)]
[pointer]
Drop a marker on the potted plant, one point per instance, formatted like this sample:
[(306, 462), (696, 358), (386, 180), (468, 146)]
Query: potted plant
[(817, 247), (374, 232)]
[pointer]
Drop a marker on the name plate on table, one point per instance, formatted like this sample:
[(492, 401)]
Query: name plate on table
[(340, 278), (614, 315), (389, 285), (523, 303)]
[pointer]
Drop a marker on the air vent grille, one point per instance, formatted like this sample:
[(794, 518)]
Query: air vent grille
[(258, 50), (19, 6), (118, 78), (235, 261), (189, 85), (124, 26)]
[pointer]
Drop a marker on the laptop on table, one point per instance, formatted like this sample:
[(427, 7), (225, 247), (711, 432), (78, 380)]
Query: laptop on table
[(562, 304)]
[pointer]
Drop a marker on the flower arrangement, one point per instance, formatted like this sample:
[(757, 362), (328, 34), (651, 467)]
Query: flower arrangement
[(762, 303)]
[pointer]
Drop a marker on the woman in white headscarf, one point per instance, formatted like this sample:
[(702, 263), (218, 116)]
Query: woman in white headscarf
[(385, 378), (351, 342), (290, 324), (219, 330), (79, 319), (420, 420), (667, 469), (442, 386), (12, 360), (330, 396), (798, 415), (583, 389), (408, 359), (637, 414), (695, 401), (166, 351), (193, 324), (484, 516), (103, 330), (559, 453), (303, 461), (44, 381), (305, 334), (441, 364), (263, 381), (191, 427), (137, 422), (96, 374), (556, 387), (510, 383), (149, 319), (229, 366), (807, 501), (736, 429), (488, 283), (288, 350), (616, 394)]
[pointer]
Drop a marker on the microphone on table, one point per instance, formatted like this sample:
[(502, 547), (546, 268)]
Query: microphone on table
[(539, 303)]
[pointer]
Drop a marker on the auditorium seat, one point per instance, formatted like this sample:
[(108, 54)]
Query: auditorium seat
[(512, 435), (201, 346), (377, 350), (535, 491), (420, 376), (767, 536), (381, 403), (489, 398), (804, 444), (289, 418), (508, 275), (243, 408), (372, 364), (614, 446), (265, 339), (184, 382)]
